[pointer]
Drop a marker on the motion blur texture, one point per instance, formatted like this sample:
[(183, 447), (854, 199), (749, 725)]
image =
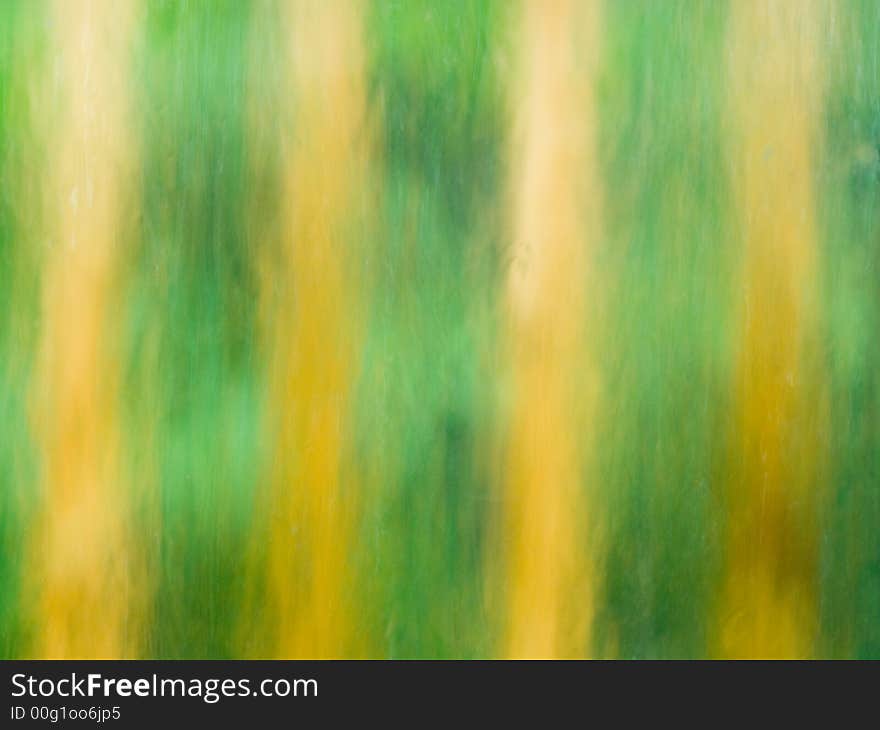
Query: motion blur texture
[(439, 328)]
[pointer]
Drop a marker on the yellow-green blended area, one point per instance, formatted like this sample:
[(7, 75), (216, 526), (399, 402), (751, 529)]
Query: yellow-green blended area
[(439, 329)]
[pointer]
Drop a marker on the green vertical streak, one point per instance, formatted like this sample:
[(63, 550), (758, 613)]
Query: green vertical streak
[(425, 392), (850, 209), (666, 361), (10, 399), (22, 50), (196, 288)]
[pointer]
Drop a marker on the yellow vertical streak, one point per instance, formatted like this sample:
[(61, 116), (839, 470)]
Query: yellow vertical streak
[(314, 333), (775, 96), (81, 567), (556, 206)]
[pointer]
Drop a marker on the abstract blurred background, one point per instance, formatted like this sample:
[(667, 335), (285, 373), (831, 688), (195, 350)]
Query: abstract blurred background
[(439, 328)]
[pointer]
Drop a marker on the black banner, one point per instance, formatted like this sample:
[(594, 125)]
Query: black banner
[(121, 694)]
